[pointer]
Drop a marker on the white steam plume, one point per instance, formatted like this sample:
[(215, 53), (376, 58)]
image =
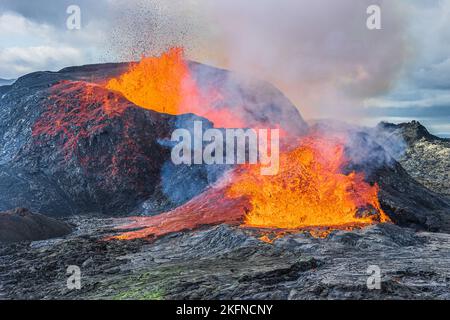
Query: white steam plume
[(319, 53)]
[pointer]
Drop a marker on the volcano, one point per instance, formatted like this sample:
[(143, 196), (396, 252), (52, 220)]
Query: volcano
[(90, 145), (96, 139), (73, 143)]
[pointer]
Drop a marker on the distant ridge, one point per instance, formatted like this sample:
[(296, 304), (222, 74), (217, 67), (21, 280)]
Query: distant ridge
[(426, 157), (4, 82)]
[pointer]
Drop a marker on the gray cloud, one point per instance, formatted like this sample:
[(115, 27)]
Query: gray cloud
[(422, 91), (320, 53), (31, 42), (54, 12)]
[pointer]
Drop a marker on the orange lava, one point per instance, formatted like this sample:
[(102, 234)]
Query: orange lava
[(165, 84), (209, 208), (310, 193), (311, 190), (162, 84)]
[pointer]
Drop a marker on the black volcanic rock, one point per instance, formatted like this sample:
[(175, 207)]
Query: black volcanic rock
[(22, 225), (410, 204), (424, 156), (224, 262), (411, 131), (68, 145)]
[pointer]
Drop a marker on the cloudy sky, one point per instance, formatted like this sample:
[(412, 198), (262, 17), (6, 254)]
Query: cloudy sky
[(319, 53)]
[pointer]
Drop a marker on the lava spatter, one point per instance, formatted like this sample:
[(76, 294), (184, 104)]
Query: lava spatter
[(77, 110), (311, 190), (165, 84)]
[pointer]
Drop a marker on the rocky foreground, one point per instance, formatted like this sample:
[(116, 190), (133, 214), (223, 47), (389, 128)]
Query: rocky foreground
[(226, 262)]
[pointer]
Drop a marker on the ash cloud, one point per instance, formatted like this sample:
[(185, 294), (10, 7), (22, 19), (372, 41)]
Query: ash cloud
[(320, 53)]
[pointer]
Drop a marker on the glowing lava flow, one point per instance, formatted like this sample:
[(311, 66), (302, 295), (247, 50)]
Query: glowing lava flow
[(165, 84), (208, 208), (310, 191)]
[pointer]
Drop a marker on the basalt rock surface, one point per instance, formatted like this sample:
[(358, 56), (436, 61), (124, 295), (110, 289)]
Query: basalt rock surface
[(414, 190), (225, 262), (425, 157)]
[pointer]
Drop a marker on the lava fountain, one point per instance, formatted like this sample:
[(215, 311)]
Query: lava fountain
[(311, 190), (165, 84)]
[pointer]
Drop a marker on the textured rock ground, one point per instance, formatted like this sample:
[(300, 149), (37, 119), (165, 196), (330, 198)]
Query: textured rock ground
[(22, 225), (225, 262), (425, 157)]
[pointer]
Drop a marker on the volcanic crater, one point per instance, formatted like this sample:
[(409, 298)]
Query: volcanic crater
[(91, 145)]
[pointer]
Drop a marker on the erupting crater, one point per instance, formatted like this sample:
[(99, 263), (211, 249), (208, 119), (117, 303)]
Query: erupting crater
[(311, 192), (312, 189), (165, 84)]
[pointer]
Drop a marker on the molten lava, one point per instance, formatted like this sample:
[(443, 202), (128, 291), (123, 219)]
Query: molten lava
[(208, 208), (310, 190), (165, 84), (162, 84)]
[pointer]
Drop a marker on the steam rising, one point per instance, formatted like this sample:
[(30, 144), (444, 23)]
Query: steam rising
[(319, 53)]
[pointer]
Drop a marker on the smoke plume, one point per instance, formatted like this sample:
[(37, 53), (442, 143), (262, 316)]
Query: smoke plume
[(319, 53)]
